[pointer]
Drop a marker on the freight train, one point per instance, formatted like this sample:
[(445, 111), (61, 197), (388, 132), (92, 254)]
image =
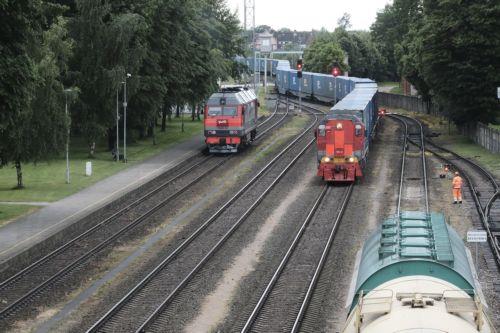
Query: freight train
[(230, 119), (343, 137), (414, 274)]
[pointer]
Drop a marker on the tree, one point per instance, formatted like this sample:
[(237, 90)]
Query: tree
[(35, 50), (109, 45), (459, 56), (344, 22), (322, 55), (390, 27)]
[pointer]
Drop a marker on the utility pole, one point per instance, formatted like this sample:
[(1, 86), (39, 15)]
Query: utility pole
[(299, 76), (68, 119), (249, 22), (125, 117), (265, 76), (117, 126)]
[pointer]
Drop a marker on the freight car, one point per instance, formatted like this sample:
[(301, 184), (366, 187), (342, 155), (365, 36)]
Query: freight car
[(344, 135), (414, 274), (230, 119)]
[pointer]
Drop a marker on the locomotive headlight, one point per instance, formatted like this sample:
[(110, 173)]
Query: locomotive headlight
[(351, 159), (327, 159), (339, 126)]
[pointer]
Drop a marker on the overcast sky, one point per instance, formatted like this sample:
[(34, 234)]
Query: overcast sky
[(312, 14)]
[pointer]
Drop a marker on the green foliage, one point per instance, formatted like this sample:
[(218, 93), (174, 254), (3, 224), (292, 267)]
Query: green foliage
[(449, 50), (17, 75), (176, 51), (330, 49), (390, 28), (460, 56), (322, 55)]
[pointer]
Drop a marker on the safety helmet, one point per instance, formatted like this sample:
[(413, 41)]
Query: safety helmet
[(456, 173)]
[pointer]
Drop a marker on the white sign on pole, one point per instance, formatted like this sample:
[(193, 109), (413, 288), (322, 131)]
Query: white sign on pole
[(476, 236), (498, 92)]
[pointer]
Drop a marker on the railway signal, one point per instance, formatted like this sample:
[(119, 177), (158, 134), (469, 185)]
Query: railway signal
[(299, 68), (335, 71)]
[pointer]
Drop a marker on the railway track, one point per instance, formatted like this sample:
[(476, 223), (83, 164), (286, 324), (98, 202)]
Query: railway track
[(145, 305), (413, 177), (286, 297), (20, 289), (484, 191)]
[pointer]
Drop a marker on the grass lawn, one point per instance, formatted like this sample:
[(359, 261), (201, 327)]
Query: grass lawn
[(9, 212), (45, 181), (263, 111), (450, 138), (397, 90), (388, 84)]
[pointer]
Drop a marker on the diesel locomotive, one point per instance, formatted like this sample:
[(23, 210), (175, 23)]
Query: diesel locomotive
[(230, 119), (344, 136)]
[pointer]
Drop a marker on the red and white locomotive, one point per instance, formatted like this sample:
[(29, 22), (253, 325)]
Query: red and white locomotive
[(230, 119), (340, 141)]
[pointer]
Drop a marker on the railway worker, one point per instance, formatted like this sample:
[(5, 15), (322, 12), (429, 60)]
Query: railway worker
[(457, 188)]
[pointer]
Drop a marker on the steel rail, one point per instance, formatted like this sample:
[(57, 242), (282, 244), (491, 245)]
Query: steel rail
[(194, 235), (285, 259), (42, 260), (322, 261), (472, 189), (75, 263), (422, 152), (212, 251), (67, 269), (424, 165), (482, 215), (403, 166), (274, 125)]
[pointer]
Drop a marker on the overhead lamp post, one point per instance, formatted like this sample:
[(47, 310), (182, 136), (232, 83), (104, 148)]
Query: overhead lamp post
[(68, 119), (117, 126), (125, 117)]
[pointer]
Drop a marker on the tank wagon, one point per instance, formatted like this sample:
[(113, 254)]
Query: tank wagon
[(415, 274), (230, 119)]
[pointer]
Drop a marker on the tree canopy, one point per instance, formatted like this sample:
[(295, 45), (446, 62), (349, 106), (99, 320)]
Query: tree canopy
[(175, 51), (448, 49)]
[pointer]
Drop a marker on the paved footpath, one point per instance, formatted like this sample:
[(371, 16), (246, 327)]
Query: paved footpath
[(23, 233)]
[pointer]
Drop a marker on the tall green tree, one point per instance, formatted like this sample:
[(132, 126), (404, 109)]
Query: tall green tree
[(322, 55), (459, 47), (17, 76), (389, 29), (108, 46)]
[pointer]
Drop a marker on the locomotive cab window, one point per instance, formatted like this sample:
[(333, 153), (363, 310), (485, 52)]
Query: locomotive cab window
[(357, 130), (214, 111), (222, 111), (229, 111), (321, 130)]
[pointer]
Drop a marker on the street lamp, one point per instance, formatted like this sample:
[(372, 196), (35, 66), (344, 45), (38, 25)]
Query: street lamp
[(68, 119), (125, 117), (117, 149)]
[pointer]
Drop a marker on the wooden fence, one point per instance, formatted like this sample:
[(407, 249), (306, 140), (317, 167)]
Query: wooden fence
[(481, 134)]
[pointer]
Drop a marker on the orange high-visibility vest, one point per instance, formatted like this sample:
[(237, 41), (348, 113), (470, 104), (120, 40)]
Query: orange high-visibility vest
[(457, 182)]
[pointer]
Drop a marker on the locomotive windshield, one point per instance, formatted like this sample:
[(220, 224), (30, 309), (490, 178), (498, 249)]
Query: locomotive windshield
[(222, 111)]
